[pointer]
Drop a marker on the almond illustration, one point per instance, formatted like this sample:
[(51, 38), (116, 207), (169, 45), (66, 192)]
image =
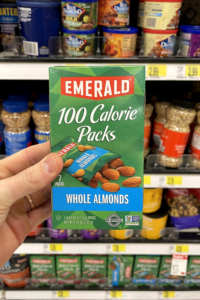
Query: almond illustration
[(96, 177), (81, 148), (104, 179), (132, 182), (68, 163), (80, 179), (104, 168), (126, 171), (93, 184), (111, 174), (116, 163), (111, 187), (79, 173), (89, 148)]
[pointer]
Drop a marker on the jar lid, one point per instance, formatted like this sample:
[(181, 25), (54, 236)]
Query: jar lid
[(183, 102), (41, 105), (13, 105)]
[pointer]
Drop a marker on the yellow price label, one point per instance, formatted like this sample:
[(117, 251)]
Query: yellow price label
[(192, 71), (168, 294), (147, 179), (119, 248), (55, 247), (174, 180), (63, 294), (116, 294), (156, 70), (182, 248)]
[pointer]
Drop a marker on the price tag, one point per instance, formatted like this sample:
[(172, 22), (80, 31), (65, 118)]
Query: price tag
[(161, 181), (156, 70), (55, 247), (192, 71), (179, 264), (119, 248), (62, 294), (182, 248), (174, 180), (116, 294), (168, 294), (147, 179)]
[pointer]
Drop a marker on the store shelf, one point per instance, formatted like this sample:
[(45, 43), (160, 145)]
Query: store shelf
[(100, 295), (156, 69)]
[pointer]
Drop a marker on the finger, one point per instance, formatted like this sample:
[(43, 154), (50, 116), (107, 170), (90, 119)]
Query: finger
[(38, 198), (23, 159), (30, 180), (39, 214)]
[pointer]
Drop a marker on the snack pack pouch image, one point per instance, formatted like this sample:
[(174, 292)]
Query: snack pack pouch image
[(164, 277), (68, 269), (120, 269), (97, 127), (43, 271), (94, 269), (193, 272)]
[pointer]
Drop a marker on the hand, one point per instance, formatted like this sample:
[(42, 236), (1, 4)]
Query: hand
[(28, 172)]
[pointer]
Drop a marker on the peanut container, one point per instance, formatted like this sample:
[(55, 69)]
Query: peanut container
[(97, 127), (79, 14), (119, 42), (162, 14), (159, 43), (114, 13)]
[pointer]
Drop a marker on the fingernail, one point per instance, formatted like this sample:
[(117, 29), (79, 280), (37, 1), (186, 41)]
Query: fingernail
[(49, 165)]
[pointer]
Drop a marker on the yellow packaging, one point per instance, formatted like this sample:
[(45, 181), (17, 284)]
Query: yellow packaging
[(121, 234), (152, 200), (153, 225), (161, 15)]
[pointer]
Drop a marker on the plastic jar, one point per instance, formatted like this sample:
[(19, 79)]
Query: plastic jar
[(79, 43), (121, 234), (79, 14), (140, 13), (195, 144), (175, 133), (41, 118), (159, 43), (162, 14), (159, 121), (39, 20), (147, 128), (16, 117), (114, 13), (152, 200), (119, 42), (8, 22), (190, 41)]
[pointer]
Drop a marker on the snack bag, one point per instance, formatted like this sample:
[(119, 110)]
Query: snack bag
[(120, 269), (43, 270), (164, 277), (68, 269), (193, 272), (94, 269), (97, 127)]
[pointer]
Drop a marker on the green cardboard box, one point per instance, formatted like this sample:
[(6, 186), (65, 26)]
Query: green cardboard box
[(43, 271), (97, 126), (193, 271), (145, 270), (120, 269), (164, 277), (94, 269), (68, 269)]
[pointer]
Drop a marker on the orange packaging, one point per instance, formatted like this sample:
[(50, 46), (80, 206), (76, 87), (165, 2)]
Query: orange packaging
[(114, 13), (173, 143), (119, 42), (157, 131), (147, 132), (195, 145)]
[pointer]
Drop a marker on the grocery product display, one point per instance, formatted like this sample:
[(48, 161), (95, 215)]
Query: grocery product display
[(147, 128), (43, 269), (120, 270), (152, 200), (164, 277), (68, 269), (190, 41)]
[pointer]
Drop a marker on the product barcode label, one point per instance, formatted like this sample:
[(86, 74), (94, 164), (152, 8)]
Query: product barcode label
[(30, 48), (151, 22)]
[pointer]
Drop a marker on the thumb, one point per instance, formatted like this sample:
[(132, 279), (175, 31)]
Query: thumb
[(30, 180)]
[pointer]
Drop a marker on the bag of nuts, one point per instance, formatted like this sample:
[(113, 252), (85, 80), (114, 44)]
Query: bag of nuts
[(184, 207)]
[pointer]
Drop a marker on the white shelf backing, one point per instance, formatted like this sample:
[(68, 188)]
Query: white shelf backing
[(108, 248), (100, 295), (161, 180), (40, 70)]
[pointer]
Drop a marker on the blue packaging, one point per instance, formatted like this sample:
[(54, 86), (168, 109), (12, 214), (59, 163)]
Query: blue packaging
[(8, 22), (41, 119), (39, 20)]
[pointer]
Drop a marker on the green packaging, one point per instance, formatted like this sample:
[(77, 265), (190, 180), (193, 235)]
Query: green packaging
[(94, 269), (68, 269), (164, 277), (193, 271), (97, 127), (43, 270), (145, 270), (120, 270)]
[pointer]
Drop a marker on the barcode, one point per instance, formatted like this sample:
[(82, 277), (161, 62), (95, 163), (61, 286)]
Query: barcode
[(184, 50), (151, 22), (30, 48)]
